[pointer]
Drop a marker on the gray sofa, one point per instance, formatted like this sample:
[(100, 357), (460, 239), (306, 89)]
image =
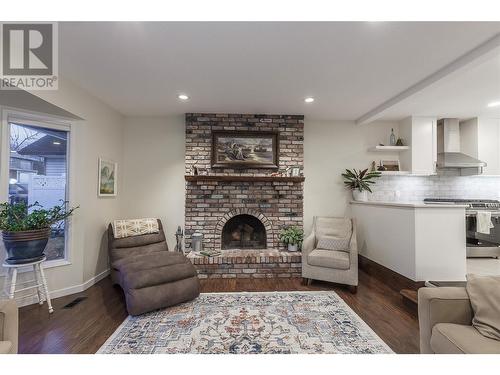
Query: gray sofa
[(330, 265), (151, 276), (445, 319), (9, 323)]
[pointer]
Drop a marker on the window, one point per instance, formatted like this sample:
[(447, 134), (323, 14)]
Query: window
[(38, 166)]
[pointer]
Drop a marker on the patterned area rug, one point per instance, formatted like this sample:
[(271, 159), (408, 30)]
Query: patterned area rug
[(253, 323)]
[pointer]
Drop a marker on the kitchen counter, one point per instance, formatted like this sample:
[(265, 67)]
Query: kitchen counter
[(419, 241), (410, 204)]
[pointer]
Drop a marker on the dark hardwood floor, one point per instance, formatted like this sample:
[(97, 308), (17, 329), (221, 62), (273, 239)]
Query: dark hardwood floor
[(86, 326)]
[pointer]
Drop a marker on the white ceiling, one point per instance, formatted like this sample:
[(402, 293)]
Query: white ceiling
[(349, 67), (463, 94)]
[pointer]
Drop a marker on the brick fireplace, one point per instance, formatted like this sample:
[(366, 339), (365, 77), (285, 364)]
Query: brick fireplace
[(240, 211), (244, 231)]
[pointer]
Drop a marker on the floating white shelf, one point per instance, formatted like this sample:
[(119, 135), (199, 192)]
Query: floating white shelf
[(394, 173), (389, 148)]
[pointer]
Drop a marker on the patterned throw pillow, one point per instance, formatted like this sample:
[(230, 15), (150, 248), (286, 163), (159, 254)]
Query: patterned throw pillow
[(135, 227), (333, 243)]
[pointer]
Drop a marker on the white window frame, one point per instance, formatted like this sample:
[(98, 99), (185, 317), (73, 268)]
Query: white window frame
[(45, 121)]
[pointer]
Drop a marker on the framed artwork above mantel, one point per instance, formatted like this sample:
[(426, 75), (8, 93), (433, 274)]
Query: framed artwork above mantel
[(245, 149)]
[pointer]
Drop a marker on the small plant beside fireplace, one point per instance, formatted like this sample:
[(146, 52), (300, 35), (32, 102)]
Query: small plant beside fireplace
[(293, 237)]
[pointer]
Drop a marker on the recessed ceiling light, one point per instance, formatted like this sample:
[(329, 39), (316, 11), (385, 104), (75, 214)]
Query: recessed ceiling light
[(494, 104), (56, 143), (183, 97), (309, 99)]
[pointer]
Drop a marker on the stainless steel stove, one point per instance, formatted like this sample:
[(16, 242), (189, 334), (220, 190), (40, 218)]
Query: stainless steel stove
[(478, 244), (472, 204)]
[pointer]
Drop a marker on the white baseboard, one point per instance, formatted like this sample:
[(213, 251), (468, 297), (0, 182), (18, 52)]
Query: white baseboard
[(30, 300)]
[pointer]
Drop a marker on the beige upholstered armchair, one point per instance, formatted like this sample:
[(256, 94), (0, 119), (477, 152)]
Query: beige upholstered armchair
[(330, 252), (8, 326)]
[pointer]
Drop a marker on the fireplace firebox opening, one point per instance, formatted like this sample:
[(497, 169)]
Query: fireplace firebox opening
[(243, 232)]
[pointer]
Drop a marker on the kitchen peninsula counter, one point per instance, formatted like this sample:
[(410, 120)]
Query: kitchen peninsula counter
[(419, 241)]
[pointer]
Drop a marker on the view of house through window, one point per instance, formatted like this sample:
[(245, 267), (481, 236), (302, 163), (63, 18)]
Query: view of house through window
[(38, 174)]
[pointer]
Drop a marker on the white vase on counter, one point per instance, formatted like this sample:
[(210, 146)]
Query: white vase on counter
[(360, 196)]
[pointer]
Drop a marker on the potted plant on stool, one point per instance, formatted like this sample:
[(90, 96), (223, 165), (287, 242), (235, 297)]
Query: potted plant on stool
[(293, 237), (26, 229), (359, 182)]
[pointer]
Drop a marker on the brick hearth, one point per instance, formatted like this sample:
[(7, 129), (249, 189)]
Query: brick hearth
[(211, 203), (245, 264)]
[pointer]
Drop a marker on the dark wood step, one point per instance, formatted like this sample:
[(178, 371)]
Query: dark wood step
[(410, 297)]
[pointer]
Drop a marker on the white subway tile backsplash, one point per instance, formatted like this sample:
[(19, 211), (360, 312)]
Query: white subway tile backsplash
[(445, 185)]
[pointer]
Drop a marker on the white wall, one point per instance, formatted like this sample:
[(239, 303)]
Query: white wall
[(153, 166), (99, 135), (153, 173), (329, 148)]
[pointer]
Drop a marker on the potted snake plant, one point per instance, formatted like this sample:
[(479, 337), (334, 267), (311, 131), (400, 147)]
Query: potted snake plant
[(26, 229), (359, 182), (292, 237)]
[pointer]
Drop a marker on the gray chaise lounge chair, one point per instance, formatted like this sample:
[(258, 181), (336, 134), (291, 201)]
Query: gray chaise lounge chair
[(151, 276)]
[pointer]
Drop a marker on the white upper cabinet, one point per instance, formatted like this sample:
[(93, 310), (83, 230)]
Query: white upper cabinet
[(480, 138), (420, 134)]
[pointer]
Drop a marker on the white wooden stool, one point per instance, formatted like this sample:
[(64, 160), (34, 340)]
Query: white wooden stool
[(41, 287)]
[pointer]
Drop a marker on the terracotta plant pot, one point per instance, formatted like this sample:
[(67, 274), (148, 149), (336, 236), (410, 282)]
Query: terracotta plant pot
[(27, 246), (360, 196)]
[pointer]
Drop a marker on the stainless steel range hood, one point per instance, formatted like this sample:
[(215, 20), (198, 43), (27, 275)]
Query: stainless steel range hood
[(448, 148)]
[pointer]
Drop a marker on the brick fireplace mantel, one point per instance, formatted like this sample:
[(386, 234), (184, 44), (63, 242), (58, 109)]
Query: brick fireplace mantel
[(241, 178)]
